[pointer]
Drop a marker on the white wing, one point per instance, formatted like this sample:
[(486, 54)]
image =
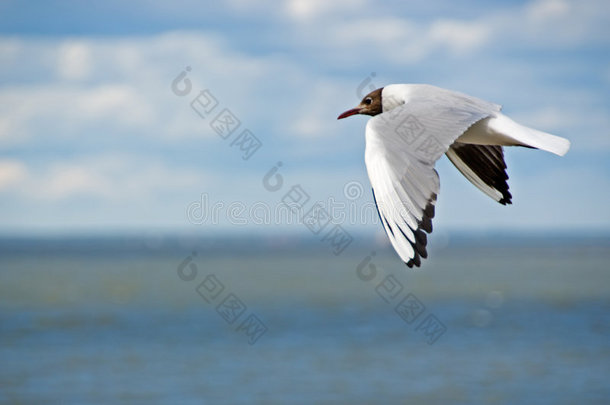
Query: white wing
[(402, 146)]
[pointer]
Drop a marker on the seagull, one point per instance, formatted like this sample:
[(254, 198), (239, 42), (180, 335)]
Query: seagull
[(412, 126)]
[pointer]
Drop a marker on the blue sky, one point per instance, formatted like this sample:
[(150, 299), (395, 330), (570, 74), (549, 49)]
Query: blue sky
[(92, 138)]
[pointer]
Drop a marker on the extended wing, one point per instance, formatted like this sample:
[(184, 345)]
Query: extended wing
[(402, 146)]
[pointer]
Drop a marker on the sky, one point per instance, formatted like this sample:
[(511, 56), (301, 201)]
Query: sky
[(99, 132)]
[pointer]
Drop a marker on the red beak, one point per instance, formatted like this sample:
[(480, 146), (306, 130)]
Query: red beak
[(346, 114)]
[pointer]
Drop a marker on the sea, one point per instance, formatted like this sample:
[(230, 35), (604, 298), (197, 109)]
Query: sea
[(285, 319)]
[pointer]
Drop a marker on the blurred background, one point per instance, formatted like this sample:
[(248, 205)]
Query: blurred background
[(147, 254)]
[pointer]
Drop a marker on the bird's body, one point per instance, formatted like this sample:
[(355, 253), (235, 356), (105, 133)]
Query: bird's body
[(413, 125)]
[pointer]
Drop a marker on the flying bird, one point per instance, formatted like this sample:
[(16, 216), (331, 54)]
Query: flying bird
[(413, 125)]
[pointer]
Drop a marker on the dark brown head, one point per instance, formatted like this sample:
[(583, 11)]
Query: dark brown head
[(370, 105)]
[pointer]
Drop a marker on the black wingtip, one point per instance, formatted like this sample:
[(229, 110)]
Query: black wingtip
[(506, 198), (421, 238), (414, 262)]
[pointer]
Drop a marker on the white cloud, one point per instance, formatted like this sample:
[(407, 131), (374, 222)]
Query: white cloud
[(121, 86), (459, 36), (108, 177), (5, 128), (66, 180), (9, 48), (59, 111), (11, 173), (556, 23), (299, 11), (366, 28), (74, 60), (542, 10), (310, 9), (119, 102), (380, 40), (365, 31)]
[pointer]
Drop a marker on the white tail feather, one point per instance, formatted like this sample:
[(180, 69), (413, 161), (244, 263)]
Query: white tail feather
[(501, 130), (525, 136)]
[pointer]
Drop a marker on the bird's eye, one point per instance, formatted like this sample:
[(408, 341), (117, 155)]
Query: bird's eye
[(368, 101)]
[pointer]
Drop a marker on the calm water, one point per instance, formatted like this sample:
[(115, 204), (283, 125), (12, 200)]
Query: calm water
[(487, 320)]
